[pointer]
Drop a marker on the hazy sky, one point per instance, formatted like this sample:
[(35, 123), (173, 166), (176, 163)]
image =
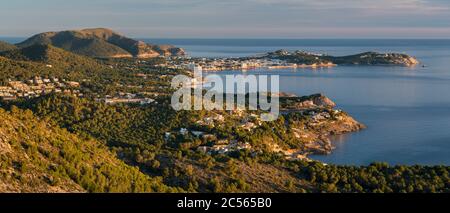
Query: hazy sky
[(233, 18)]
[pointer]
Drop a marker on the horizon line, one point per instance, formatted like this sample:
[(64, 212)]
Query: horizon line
[(279, 38)]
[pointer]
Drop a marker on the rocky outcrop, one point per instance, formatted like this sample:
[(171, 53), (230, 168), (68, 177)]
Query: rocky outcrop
[(313, 119), (169, 50), (307, 102), (316, 127), (321, 100)]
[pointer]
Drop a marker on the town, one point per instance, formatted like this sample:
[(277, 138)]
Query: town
[(37, 87), (217, 145), (243, 64)]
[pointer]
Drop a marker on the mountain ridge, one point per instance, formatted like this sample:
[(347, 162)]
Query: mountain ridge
[(101, 43)]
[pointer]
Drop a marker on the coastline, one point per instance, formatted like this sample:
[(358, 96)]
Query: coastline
[(274, 67), (313, 120)]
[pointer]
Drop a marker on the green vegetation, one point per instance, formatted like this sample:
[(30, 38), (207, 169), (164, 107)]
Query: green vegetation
[(97, 77), (367, 58), (298, 57), (373, 58), (100, 43), (48, 61), (37, 156), (136, 134), (6, 46), (60, 143), (45, 60), (12, 69), (57, 58), (378, 178)]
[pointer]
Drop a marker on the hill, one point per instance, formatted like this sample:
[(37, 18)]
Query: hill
[(44, 53), (12, 69), (46, 60), (374, 58), (367, 58), (6, 46), (39, 157), (101, 43)]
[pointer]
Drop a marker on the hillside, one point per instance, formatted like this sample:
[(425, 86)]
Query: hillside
[(50, 55), (367, 58), (374, 58), (12, 69), (137, 134), (101, 43), (39, 157), (6, 46)]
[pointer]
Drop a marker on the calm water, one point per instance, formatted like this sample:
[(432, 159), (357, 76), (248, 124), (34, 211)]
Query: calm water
[(407, 110)]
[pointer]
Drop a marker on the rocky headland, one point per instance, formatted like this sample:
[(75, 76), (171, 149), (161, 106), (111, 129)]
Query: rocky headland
[(313, 120), (304, 58)]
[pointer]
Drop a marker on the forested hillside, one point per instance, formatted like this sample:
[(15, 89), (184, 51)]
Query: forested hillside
[(37, 156), (136, 134)]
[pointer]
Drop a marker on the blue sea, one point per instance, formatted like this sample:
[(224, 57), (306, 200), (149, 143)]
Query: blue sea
[(406, 109)]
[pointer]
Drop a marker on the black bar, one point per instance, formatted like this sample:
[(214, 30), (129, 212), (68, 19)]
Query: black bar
[(152, 202)]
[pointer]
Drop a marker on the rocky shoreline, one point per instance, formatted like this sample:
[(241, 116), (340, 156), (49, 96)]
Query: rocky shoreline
[(316, 120)]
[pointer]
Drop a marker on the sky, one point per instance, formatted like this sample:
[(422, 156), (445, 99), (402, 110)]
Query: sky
[(232, 18)]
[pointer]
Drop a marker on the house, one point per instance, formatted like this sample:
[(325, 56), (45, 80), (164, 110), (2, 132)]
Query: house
[(167, 135), (184, 131), (221, 149), (242, 146), (9, 98), (222, 142), (146, 101), (219, 118), (73, 84), (249, 126), (197, 133), (204, 149), (209, 121), (321, 116)]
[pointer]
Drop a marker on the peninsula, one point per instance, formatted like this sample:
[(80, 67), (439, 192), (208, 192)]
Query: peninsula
[(283, 59)]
